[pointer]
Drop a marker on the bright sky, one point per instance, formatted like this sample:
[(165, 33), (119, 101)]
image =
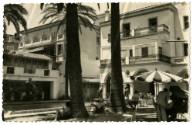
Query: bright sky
[(35, 13)]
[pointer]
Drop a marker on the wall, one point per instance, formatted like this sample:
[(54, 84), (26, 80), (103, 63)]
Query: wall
[(140, 22)]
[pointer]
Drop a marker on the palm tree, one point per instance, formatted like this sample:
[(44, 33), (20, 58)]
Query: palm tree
[(74, 63), (14, 13), (72, 15), (57, 12), (117, 97)]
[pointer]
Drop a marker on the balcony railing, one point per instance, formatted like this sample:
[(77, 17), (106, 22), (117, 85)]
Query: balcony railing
[(151, 30), (142, 31), (178, 60), (140, 60)]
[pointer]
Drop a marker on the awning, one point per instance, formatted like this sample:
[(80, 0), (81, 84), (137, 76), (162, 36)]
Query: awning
[(32, 55), (36, 49)]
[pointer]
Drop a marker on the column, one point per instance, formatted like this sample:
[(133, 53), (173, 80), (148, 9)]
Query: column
[(133, 49), (104, 93), (156, 51), (131, 91)]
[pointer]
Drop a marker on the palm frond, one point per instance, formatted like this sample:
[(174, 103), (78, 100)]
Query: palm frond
[(16, 7), (87, 15), (86, 8), (47, 16), (13, 19), (20, 19), (60, 7), (86, 23), (14, 13)]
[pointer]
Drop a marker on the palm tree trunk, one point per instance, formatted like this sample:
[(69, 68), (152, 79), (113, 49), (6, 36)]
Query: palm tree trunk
[(66, 76), (117, 97), (74, 63)]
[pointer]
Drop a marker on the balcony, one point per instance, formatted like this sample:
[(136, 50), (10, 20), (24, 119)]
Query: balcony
[(139, 60), (151, 30), (179, 60), (143, 32), (149, 59), (46, 39)]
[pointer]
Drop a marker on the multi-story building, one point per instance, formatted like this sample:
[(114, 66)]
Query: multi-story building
[(48, 40), (151, 37), (22, 68)]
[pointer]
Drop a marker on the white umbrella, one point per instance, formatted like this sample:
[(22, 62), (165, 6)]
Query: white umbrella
[(158, 76)]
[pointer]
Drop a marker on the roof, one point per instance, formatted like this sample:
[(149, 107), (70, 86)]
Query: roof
[(145, 10), (149, 8), (31, 55), (48, 25)]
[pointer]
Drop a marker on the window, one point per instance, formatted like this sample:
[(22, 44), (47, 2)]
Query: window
[(45, 37), (109, 37), (98, 40), (144, 51), (46, 72), (160, 50), (60, 49), (185, 49), (126, 30), (10, 70), (29, 70), (36, 39), (60, 36), (27, 41), (153, 24), (53, 36), (186, 22), (130, 53), (30, 66)]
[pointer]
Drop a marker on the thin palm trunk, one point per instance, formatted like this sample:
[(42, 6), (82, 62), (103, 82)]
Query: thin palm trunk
[(74, 64), (66, 77), (117, 97)]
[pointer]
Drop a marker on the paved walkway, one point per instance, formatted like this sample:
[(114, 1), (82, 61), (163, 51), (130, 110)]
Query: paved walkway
[(142, 114)]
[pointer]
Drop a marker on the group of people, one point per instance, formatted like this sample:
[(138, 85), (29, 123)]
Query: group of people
[(163, 103)]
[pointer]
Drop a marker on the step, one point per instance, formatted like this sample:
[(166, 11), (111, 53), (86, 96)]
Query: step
[(23, 113)]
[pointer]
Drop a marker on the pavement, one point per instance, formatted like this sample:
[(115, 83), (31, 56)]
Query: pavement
[(49, 114), (147, 113)]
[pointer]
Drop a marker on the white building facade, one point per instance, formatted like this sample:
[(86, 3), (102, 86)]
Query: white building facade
[(154, 37)]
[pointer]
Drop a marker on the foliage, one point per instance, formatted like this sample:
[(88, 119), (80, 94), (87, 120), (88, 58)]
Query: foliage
[(57, 12), (14, 13)]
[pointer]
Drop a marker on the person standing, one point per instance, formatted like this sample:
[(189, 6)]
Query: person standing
[(163, 98)]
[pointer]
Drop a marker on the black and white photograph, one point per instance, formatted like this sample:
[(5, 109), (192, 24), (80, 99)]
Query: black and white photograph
[(96, 62)]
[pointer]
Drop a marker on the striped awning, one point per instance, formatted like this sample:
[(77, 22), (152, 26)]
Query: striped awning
[(158, 76)]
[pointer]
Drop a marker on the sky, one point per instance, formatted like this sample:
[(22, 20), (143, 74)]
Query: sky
[(35, 13)]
